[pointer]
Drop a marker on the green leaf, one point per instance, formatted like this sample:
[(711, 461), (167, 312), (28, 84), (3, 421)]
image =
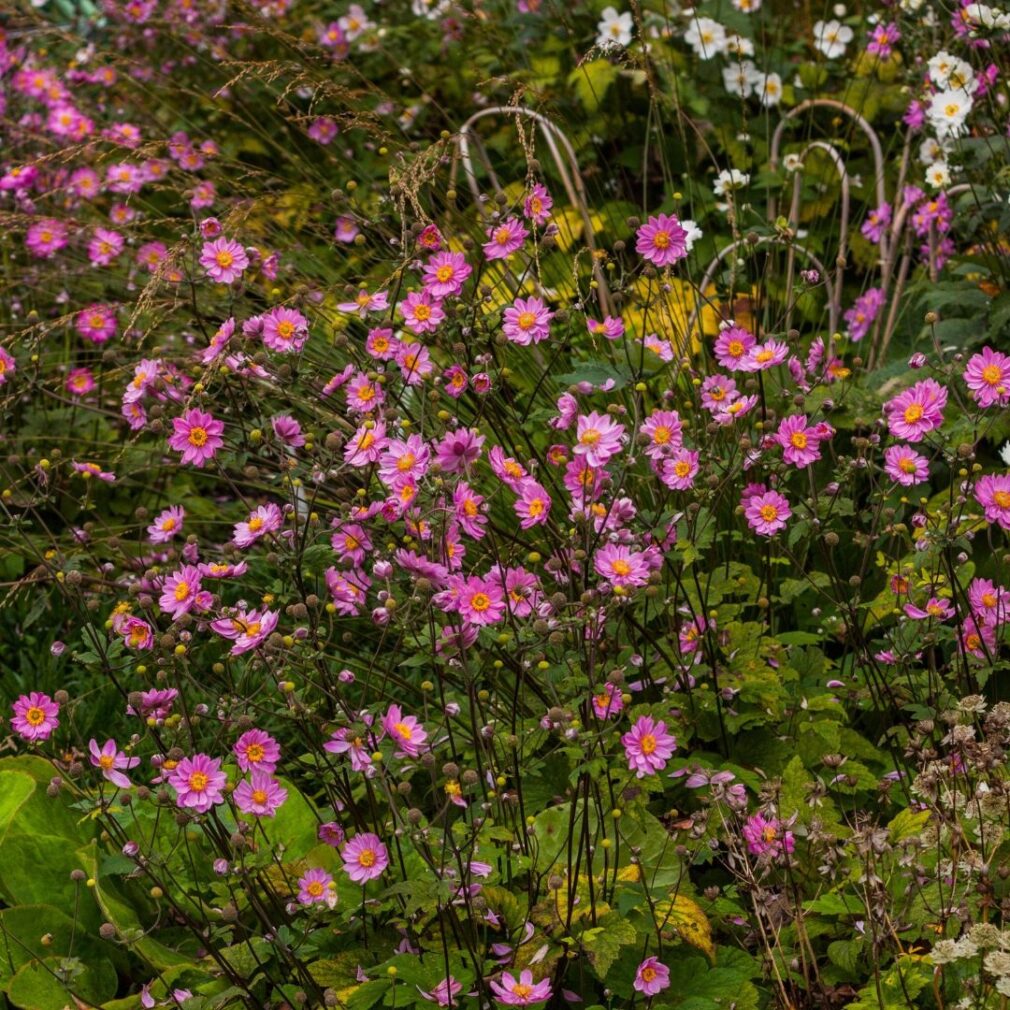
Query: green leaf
[(591, 82), (37, 985), (603, 943)]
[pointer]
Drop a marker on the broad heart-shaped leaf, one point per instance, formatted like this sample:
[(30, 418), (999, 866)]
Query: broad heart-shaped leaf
[(117, 910), (37, 985), (38, 838), (684, 917), (603, 942), (294, 825), (34, 932)]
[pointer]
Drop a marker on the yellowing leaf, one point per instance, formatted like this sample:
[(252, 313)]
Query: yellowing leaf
[(684, 917)]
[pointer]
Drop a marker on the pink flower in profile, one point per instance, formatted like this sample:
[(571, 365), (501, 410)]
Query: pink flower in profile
[(256, 750), (445, 273), (597, 437), (767, 835), (459, 449), (198, 783), (167, 525), (767, 512), (316, 887), (732, 347), (801, 444), (522, 991), (262, 520), (916, 411), (662, 240), (288, 430), (422, 313), (610, 327), (504, 239), (987, 375), (407, 734), (224, 260), (180, 591), (936, 608), (537, 205), (365, 857), (96, 323), (992, 492), (113, 762), (679, 469), (445, 993), (197, 435), (365, 302), (284, 330), (247, 629), (527, 321), (905, 466), (261, 795), (94, 470), (648, 746), (36, 715), (652, 977)]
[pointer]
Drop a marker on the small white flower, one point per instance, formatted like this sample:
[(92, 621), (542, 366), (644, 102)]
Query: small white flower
[(1005, 453), (938, 175), (948, 111), (693, 233), (947, 71), (930, 151), (831, 38), (839, 10), (769, 90), (792, 162), (614, 29), (747, 6), (706, 37), (729, 180), (739, 78), (737, 45)]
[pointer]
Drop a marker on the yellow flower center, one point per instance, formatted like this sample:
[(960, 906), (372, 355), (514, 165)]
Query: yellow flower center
[(526, 320), (197, 436), (480, 602), (367, 858), (647, 743), (444, 273), (769, 512), (35, 716), (198, 781), (661, 240), (992, 374), (913, 412), (422, 311), (224, 258), (1002, 499), (255, 524), (799, 439), (181, 591), (259, 796)]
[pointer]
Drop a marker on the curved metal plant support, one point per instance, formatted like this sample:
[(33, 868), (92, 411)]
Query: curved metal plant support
[(793, 248), (562, 153)]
